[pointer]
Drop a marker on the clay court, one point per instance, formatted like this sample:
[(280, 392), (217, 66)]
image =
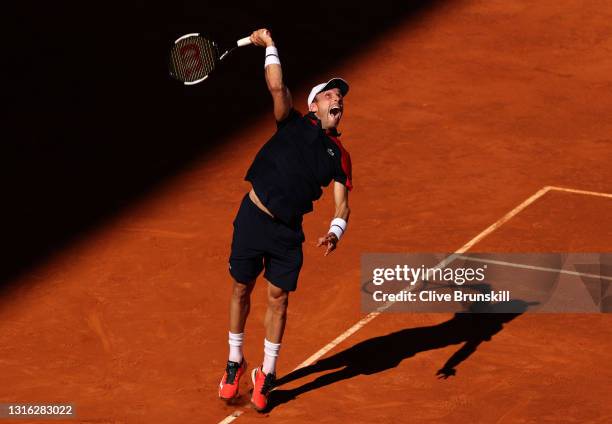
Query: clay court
[(457, 115)]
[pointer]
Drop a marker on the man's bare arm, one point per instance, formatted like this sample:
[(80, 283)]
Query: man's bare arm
[(341, 201), (342, 211), (274, 77)]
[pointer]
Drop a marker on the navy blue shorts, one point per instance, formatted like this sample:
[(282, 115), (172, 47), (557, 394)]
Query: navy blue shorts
[(262, 242)]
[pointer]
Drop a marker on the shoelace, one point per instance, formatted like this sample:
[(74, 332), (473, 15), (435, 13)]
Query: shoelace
[(231, 369), (268, 383)]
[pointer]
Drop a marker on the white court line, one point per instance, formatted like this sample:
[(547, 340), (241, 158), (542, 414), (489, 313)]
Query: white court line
[(446, 262), (507, 217), (362, 322), (575, 191), (535, 268), (231, 418)]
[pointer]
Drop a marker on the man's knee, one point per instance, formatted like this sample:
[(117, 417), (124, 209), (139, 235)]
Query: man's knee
[(242, 292), (278, 299)]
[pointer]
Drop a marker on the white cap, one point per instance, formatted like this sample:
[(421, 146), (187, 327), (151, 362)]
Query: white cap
[(332, 83)]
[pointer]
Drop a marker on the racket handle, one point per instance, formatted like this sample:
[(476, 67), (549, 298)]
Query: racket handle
[(244, 41)]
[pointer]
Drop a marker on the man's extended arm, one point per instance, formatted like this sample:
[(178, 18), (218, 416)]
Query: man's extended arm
[(341, 201), (274, 75), (342, 214)]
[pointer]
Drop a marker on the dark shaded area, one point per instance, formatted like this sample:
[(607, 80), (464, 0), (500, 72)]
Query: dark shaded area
[(382, 353), (94, 122)]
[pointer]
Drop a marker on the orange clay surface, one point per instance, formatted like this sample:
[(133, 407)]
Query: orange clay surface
[(451, 123)]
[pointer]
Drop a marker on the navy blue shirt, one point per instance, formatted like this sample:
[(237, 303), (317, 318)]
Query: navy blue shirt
[(289, 170)]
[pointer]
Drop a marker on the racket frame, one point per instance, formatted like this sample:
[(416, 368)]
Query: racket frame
[(240, 43)]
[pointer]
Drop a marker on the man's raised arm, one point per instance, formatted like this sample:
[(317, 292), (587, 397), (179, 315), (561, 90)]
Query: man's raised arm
[(274, 74)]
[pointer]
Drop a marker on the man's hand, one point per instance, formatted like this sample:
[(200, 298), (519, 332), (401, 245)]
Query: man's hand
[(330, 240), (262, 37), (445, 372)]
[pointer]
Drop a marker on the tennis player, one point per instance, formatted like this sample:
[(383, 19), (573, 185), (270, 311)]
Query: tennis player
[(286, 175)]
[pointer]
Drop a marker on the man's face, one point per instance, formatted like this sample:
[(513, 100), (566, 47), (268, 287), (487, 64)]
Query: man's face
[(328, 105)]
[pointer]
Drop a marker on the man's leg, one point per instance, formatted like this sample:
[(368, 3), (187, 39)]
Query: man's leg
[(282, 262), (246, 262), (276, 316), (240, 305)]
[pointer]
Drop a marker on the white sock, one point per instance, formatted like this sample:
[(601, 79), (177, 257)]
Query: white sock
[(270, 355), (235, 346)]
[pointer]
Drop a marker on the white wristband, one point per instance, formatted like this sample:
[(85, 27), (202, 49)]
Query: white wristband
[(271, 56), (338, 227)]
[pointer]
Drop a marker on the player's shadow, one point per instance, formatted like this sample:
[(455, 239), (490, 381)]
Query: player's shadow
[(381, 353)]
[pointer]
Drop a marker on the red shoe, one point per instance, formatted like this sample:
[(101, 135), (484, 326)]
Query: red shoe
[(228, 387), (262, 385)]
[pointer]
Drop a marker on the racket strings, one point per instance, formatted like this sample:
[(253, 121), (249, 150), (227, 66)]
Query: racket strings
[(193, 58)]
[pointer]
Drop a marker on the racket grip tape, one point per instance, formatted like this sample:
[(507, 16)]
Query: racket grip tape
[(244, 41)]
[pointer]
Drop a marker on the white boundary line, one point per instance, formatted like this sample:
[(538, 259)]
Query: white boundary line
[(365, 320), (588, 193), (533, 267), (231, 418), (507, 217)]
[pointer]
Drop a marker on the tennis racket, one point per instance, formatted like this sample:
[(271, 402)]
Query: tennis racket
[(194, 57)]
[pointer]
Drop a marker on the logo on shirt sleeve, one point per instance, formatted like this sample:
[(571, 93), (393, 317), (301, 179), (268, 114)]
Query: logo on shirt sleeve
[(330, 151)]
